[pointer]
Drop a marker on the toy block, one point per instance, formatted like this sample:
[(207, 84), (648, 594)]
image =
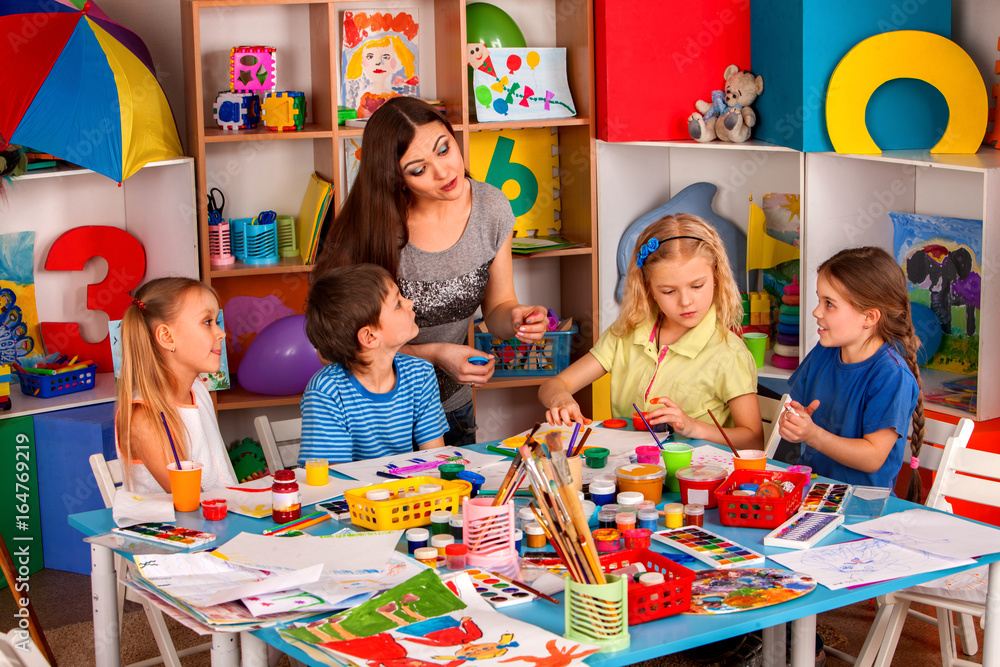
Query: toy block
[(815, 37), (654, 60), (236, 111), (285, 110), (253, 69)]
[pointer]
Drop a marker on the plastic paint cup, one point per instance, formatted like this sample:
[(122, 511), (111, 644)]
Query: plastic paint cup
[(673, 515), (185, 485), (698, 484), (596, 457), (606, 519), (427, 556), (214, 510), (473, 478), (750, 459), (639, 426), (602, 493), (535, 536), (317, 472), (450, 471), (588, 508), (440, 542), (416, 538), (648, 518), (637, 538), (455, 555), (647, 454), (676, 455), (644, 478), (518, 538), (756, 342), (606, 540), (441, 522)]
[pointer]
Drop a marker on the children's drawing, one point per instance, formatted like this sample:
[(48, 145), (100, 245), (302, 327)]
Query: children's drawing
[(520, 83), (939, 533), (727, 591), (352, 160), (556, 657), (942, 259), (379, 59), (783, 221), (19, 335)]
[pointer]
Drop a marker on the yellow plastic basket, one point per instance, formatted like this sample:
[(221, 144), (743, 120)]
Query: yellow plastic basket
[(400, 513)]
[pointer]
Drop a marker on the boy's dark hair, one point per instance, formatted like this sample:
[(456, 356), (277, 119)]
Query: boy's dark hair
[(341, 302)]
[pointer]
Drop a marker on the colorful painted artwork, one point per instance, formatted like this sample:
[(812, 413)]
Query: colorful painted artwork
[(942, 259), (524, 164), (379, 58), (19, 335), (728, 591), (352, 160), (520, 83)]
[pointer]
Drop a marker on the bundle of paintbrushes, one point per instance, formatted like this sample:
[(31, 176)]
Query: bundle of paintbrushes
[(558, 509), (515, 473)]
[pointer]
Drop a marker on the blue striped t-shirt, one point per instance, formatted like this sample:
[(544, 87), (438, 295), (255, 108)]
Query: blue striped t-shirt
[(342, 421)]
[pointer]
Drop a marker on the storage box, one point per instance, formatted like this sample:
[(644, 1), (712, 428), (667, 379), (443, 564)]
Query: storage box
[(407, 512), (756, 511), (549, 356), (655, 59), (648, 603), (47, 386), (814, 37)]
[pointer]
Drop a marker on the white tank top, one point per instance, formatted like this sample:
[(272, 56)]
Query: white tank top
[(204, 444)]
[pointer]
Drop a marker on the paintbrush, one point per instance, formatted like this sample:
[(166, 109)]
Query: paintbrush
[(648, 427), (526, 587), (571, 505), (583, 441), (723, 432)]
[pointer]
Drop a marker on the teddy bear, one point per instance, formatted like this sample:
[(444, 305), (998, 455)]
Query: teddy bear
[(728, 116)]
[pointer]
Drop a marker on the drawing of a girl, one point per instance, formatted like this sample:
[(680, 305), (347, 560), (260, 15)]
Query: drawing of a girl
[(378, 63)]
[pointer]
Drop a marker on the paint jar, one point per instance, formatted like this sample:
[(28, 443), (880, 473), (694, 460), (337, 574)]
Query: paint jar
[(606, 518), (439, 542), (450, 471), (588, 509), (518, 539), (643, 478), (602, 493), (604, 478), (651, 578), (441, 522), (673, 515), (624, 521), (580, 495), (428, 488), (455, 556), (524, 517), (698, 484), (534, 535), (427, 556), (647, 519), (614, 507), (378, 494), (646, 505), (285, 505), (637, 538), (473, 478), (694, 515), (317, 472), (596, 457), (606, 540), (455, 527), (214, 510), (416, 538), (629, 499), (647, 454)]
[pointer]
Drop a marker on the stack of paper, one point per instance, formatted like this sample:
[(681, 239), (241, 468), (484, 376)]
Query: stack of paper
[(315, 205)]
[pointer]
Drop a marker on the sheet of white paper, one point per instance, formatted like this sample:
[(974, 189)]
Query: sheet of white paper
[(336, 589), (348, 553), (255, 497), (934, 532), (132, 508), (863, 561), (423, 464), (296, 600)]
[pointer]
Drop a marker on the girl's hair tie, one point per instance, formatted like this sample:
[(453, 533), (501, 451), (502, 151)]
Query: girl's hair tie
[(651, 246), (139, 304), (914, 462)]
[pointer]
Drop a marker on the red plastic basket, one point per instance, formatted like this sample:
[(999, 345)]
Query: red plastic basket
[(648, 603), (754, 511)]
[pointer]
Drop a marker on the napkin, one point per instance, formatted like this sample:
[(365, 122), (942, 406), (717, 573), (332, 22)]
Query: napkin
[(132, 508)]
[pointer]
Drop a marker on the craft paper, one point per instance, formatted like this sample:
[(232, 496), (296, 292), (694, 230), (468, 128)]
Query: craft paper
[(379, 58), (348, 554), (423, 463), (132, 508), (934, 532), (255, 497), (296, 600), (863, 562), (336, 589), (19, 335), (521, 84)]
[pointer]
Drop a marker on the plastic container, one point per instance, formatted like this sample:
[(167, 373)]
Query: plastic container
[(429, 488), (285, 505), (604, 477), (455, 556), (588, 509), (697, 484), (317, 472), (215, 509), (694, 515), (518, 538), (606, 518), (651, 579), (750, 459), (648, 603), (638, 425), (441, 522), (449, 471), (644, 478), (416, 538), (58, 384), (549, 356), (647, 454), (756, 511), (473, 478), (614, 507), (647, 518), (598, 614), (378, 494), (489, 532), (637, 538), (455, 527), (673, 515), (524, 517), (440, 542), (606, 540), (630, 499), (535, 536), (645, 505), (624, 521), (399, 513), (427, 556), (596, 457)]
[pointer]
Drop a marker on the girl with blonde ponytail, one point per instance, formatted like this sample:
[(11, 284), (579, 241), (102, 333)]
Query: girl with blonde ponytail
[(170, 334), (857, 392)]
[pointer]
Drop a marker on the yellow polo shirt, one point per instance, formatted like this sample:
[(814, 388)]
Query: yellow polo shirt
[(702, 371)]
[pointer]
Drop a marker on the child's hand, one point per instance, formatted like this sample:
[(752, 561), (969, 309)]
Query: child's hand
[(454, 360), (529, 322), (565, 413), (671, 414), (795, 423)]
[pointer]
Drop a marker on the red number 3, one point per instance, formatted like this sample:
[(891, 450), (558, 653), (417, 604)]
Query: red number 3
[(126, 266)]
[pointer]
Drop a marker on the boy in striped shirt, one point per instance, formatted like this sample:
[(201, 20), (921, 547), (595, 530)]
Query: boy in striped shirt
[(369, 400)]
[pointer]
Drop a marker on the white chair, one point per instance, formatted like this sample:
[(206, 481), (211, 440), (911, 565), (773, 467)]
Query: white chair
[(109, 476), (18, 650), (770, 412), (279, 440), (953, 463)]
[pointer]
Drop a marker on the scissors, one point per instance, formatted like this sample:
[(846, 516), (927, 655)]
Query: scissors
[(214, 207)]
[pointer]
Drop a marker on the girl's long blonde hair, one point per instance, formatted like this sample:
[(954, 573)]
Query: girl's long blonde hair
[(871, 279), (638, 305), (144, 373)]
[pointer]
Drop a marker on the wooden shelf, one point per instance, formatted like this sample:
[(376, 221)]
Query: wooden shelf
[(284, 265), (239, 398), (215, 135), (561, 252), (512, 382), (575, 121)]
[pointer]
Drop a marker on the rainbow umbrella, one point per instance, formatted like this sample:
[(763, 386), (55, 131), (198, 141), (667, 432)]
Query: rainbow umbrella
[(81, 87)]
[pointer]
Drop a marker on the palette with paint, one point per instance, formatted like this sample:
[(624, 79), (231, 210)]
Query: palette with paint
[(803, 530), (827, 498), (709, 547), (167, 534), (496, 591)]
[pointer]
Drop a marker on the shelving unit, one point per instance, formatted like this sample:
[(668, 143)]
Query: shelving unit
[(260, 169)]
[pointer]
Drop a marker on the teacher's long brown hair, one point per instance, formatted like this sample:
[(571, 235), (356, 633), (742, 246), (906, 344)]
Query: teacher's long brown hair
[(371, 225)]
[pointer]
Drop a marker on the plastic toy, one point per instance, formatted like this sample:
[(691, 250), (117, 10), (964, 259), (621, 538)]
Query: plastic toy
[(248, 460), (730, 106), (236, 111), (492, 26), (253, 69), (280, 360), (284, 111)]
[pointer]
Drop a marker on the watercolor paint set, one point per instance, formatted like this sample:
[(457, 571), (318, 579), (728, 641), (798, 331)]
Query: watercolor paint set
[(803, 530), (496, 591), (167, 534), (709, 547), (337, 509), (826, 498)]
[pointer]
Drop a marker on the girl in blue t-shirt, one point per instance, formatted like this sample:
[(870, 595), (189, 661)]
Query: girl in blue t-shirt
[(854, 395)]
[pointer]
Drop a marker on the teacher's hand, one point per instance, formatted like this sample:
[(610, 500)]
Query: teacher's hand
[(530, 322), (454, 360)]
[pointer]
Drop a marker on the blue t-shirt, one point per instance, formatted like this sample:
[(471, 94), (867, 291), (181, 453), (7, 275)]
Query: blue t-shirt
[(342, 421), (855, 399)]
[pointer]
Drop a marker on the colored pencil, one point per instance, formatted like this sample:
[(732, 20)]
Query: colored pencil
[(723, 432), (648, 427), (297, 522), (572, 439), (526, 587), (506, 452), (583, 441), (302, 524)]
